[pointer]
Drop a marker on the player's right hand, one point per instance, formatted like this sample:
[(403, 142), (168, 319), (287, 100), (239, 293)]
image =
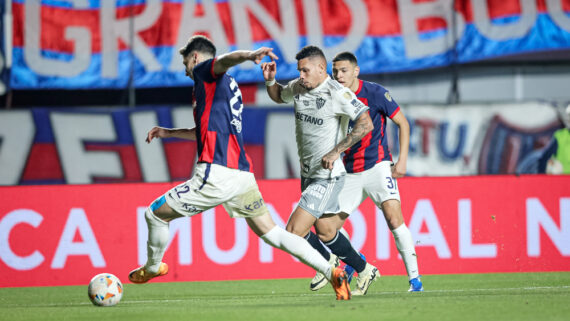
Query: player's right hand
[(269, 70), (157, 132)]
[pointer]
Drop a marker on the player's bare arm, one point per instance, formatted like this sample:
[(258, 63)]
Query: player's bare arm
[(273, 88), (362, 126), (226, 61), (161, 132), (399, 170)]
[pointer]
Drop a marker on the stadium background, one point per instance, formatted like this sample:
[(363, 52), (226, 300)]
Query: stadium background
[(482, 83)]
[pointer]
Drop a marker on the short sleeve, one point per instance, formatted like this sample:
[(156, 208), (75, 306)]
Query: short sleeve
[(288, 91), (389, 106), (204, 71), (348, 104)]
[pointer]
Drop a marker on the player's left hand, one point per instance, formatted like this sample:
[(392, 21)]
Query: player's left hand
[(260, 53), (399, 170), (328, 160)]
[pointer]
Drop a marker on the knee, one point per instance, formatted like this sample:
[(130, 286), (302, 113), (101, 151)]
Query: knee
[(393, 214), (326, 235), (295, 230)]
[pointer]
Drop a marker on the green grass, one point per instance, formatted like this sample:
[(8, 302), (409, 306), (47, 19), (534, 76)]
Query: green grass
[(515, 296)]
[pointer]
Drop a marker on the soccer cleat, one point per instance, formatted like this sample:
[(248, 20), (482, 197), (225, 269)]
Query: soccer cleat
[(416, 285), (365, 279), (140, 275), (350, 270), (340, 284), (319, 281)]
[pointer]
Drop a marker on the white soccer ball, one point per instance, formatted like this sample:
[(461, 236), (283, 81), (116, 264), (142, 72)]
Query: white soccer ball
[(105, 289)]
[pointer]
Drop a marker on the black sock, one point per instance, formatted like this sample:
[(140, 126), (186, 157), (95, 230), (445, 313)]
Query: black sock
[(313, 239), (341, 246)]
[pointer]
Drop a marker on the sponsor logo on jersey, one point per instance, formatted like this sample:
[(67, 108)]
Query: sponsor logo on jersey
[(358, 104), (254, 205), (320, 102), (309, 119), (388, 97), (191, 208)]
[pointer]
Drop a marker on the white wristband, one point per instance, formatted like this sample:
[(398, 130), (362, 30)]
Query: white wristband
[(270, 83)]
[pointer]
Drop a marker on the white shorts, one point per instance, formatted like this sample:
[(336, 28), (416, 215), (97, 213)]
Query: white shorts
[(376, 183), (212, 185)]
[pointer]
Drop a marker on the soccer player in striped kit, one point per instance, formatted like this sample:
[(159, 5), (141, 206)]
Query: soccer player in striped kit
[(370, 170), (223, 173)]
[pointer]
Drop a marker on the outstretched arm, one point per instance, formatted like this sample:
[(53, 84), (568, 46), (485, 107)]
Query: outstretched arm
[(399, 170), (362, 127), (226, 61), (161, 132)]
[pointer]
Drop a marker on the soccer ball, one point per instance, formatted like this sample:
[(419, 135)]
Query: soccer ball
[(105, 289)]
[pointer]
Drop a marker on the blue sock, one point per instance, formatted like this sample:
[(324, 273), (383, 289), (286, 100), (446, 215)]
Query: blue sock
[(341, 246), (313, 239)]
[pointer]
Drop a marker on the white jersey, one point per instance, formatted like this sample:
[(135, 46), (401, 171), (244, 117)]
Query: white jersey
[(321, 121)]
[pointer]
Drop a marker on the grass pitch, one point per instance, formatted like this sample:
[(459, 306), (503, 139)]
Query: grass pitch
[(513, 296)]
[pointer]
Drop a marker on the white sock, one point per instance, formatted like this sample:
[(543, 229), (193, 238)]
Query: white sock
[(405, 245), (345, 233), (158, 235), (298, 247)]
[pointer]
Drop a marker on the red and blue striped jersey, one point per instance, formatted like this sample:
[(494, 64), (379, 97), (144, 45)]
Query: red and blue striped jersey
[(217, 114), (372, 148)]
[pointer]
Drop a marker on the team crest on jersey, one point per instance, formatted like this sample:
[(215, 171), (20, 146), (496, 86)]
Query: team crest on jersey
[(306, 102), (320, 102), (347, 95), (388, 97)]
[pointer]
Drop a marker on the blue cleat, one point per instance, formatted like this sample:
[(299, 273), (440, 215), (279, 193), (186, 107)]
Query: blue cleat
[(350, 270), (416, 285)]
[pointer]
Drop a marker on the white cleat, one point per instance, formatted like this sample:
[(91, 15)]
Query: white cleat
[(365, 279), (319, 281)]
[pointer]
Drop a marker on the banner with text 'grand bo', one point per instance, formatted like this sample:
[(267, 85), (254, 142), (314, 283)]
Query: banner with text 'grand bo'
[(62, 235), (89, 44)]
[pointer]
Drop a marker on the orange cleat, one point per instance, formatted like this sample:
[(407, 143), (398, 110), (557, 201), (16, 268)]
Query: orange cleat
[(140, 275), (340, 285)]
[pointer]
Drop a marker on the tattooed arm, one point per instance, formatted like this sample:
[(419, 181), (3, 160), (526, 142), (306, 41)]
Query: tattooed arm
[(362, 127)]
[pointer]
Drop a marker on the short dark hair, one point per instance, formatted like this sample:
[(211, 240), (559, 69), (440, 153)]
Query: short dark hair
[(345, 55), (309, 52), (200, 44)]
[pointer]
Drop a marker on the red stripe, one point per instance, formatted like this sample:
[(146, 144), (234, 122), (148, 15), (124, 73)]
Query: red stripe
[(208, 137), (335, 16), (395, 112), (212, 69), (43, 163), (233, 152)]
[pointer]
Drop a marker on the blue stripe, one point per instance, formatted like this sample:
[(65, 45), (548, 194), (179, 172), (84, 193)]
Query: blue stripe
[(157, 203), (206, 175)]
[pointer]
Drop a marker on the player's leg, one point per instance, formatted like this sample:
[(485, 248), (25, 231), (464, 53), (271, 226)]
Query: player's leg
[(383, 190), (186, 199), (404, 242), (250, 204), (157, 216), (326, 227)]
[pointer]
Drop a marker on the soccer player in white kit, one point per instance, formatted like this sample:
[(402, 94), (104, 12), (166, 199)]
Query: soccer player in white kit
[(368, 163), (323, 108), (223, 173)]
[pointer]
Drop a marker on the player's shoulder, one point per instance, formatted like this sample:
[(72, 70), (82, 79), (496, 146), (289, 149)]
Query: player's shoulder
[(377, 91)]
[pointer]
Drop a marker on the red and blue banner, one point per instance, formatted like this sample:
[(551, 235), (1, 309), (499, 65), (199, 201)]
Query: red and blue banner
[(103, 145), (89, 44)]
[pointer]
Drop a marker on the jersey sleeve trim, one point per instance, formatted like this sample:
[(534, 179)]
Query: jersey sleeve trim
[(212, 69), (395, 112)]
